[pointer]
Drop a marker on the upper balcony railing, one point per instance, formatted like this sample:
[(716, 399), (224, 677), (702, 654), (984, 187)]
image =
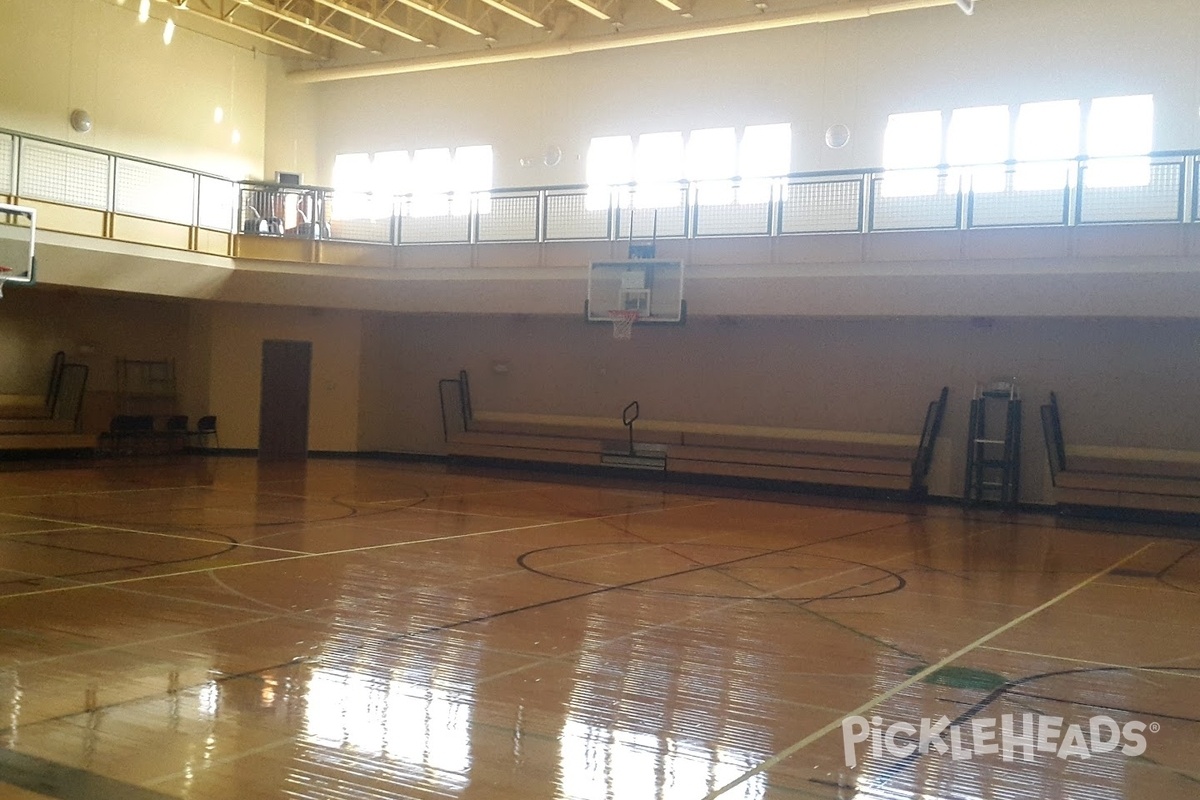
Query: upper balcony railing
[(1160, 188)]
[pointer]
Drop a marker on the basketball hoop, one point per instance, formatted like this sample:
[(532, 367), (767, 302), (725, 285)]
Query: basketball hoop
[(623, 323)]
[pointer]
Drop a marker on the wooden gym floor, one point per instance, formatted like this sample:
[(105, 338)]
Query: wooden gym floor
[(339, 629)]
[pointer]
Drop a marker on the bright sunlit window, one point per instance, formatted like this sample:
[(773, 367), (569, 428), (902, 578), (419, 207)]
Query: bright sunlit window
[(365, 186), (978, 137), (1047, 133), (609, 163), (658, 169), (766, 152), (912, 149), (472, 177), (1118, 130), (352, 185), (710, 161)]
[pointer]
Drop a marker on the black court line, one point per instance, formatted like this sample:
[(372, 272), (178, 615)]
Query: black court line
[(604, 590), (45, 777)]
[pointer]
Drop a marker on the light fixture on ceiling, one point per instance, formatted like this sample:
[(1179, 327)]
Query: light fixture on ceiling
[(218, 115), (669, 5), (967, 6), (514, 13), (591, 9), (143, 10), (236, 136), (169, 31)]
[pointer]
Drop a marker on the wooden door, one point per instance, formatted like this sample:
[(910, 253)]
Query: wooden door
[(283, 410)]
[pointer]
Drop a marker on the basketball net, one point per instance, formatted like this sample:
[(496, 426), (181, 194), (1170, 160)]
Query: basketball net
[(3, 277), (623, 323)]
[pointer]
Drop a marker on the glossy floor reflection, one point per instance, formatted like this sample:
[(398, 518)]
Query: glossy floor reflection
[(338, 629)]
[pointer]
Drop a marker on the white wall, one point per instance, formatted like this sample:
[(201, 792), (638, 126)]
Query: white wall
[(858, 72), (146, 98)]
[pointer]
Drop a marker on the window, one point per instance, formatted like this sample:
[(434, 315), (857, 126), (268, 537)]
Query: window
[(978, 139), (472, 177), (710, 162), (352, 186), (1047, 134), (609, 163), (431, 181), (1119, 127), (392, 175), (658, 169), (912, 149), (766, 152)]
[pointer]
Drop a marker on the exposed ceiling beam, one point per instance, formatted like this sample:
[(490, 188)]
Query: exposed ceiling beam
[(441, 17), (830, 12), (263, 7), (225, 20), (583, 5), (374, 21), (515, 13)]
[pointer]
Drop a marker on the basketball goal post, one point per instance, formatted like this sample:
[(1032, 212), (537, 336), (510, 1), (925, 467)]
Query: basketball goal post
[(17, 262)]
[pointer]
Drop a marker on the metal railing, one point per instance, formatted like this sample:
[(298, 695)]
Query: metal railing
[(1160, 188)]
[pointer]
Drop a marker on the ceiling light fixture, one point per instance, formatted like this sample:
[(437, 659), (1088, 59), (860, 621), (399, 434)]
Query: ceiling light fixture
[(669, 6), (440, 17), (169, 31), (143, 10), (351, 11), (515, 13), (595, 12), (967, 6), (301, 22)]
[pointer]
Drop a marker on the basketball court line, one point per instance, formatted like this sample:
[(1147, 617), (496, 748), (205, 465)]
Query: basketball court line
[(300, 556), (1089, 662), (51, 779), (100, 492), (284, 613), (639, 631), (74, 527), (437, 629), (917, 678)]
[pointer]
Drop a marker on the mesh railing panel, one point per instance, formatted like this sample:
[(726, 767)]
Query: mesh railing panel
[(217, 201), (154, 192), (568, 217), (733, 219), (65, 175), (646, 223), (908, 201), (1014, 208), (510, 218), (822, 207), (6, 163), (436, 229), (377, 231), (1153, 191)]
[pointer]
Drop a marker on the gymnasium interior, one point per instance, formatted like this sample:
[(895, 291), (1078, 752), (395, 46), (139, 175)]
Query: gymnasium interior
[(599, 399)]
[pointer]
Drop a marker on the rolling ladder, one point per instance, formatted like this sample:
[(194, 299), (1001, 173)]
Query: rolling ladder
[(994, 445)]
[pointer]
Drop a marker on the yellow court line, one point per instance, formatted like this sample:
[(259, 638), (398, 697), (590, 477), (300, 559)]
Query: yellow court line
[(1131, 667), (71, 527), (102, 492), (917, 678), (304, 556), (102, 527)]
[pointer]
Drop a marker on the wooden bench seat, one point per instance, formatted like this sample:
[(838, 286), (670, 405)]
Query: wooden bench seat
[(32, 425), (23, 406), (885, 461), (1130, 478), (524, 447), (47, 441)]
